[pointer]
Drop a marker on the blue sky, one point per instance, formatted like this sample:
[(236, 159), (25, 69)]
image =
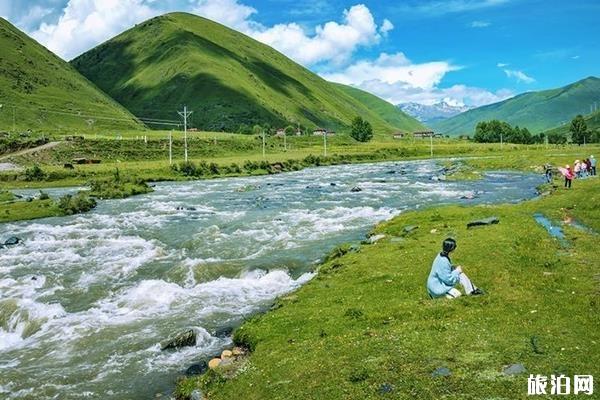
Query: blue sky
[(462, 51)]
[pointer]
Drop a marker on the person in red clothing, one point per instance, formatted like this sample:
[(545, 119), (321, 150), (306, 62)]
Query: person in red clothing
[(568, 176)]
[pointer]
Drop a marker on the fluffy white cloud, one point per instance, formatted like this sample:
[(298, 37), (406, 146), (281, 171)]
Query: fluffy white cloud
[(394, 68), (457, 94), (396, 79), (227, 12), (386, 26), (331, 42), (520, 76), (86, 23)]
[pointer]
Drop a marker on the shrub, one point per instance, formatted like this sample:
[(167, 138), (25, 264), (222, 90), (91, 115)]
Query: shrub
[(35, 173), (74, 204), (43, 195)]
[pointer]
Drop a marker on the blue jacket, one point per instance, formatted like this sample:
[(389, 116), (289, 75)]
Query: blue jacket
[(442, 277)]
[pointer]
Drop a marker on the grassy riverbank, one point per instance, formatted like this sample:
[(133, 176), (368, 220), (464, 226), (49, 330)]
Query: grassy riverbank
[(365, 327)]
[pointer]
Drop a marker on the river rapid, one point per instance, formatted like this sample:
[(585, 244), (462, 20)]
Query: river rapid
[(85, 300)]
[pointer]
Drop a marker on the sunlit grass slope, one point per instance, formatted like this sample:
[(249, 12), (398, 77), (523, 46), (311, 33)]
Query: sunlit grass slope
[(41, 92)]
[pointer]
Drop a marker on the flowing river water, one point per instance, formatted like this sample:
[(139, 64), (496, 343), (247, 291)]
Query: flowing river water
[(85, 300)]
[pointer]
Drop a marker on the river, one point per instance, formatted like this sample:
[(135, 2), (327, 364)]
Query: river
[(85, 300)]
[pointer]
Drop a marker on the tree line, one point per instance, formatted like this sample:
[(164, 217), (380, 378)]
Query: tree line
[(495, 131)]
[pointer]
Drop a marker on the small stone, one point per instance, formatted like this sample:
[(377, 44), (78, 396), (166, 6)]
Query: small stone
[(433, 230), (214, 363), (441, 371), (196, 369), (237, 351), (356, 189), (375, 238), (196, 395), (386, 388), (225, 362), (409, 228), (514, 369), (226, 354)]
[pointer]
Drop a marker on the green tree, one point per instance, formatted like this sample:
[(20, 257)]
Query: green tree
[(361, 130), (289, 130), (579, 131), (257, 129)]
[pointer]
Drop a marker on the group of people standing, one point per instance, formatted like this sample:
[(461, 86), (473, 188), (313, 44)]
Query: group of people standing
[(581, 169)]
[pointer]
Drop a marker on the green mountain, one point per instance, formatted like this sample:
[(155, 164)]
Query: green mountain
[(41, 92), (536, 111), (227, 79), (592, 121), (387, 111)]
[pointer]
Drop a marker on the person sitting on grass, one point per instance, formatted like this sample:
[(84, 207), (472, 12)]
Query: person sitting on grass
[(444, 276)]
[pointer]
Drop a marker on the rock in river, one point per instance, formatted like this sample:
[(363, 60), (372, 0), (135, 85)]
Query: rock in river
[(182, 339), (12, 241), (356, 189)]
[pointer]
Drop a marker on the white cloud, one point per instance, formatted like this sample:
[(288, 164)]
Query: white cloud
[(331, 42), (227, 12), (520, 76), (386, 26), (502, 65), (396, 79), (480, 24), (393, 68), (86, 23), (457, 94)]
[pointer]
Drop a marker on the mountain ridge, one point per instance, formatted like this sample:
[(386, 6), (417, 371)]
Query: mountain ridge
[(537, 110), (229, 79)]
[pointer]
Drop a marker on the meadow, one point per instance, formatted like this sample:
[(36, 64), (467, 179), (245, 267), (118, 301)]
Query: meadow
[(365, 327)]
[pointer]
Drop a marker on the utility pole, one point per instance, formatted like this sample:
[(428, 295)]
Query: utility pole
[(284, 141), (431, 145), (501, 140), (185, 114), (14, 119), (325, 142), (263, 142), (171, 147)]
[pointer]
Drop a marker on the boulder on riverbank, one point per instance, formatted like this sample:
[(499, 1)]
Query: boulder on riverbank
[(182, 339), (483, 222)]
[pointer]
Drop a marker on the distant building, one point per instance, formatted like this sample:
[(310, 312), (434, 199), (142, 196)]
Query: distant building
[(193, 130), (280, 132), (426, 134), (323, 132), (398, 135)]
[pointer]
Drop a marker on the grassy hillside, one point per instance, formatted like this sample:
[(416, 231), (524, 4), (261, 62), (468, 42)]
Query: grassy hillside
[(225, 77), (592, 120), (391, 114), (43, 92), (537, 111)]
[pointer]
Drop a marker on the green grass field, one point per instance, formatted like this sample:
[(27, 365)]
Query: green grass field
[(364, 327)]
